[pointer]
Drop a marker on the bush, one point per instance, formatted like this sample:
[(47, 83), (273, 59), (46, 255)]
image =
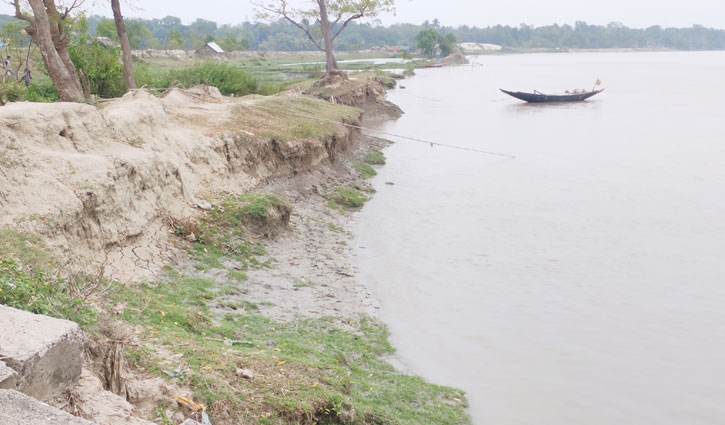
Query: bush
[(227, 78), (349, 198), (12, 92), (43, 91), (17, 91), (102, 66), (31, 290)]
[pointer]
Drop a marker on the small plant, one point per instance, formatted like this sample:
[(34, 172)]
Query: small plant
[(136, 141), (303, 130), (162, 418), (301, 283), (33, 290), (236, 275), (334, 228), (349, 198), (365, 170), (257, 205), (375, 158)]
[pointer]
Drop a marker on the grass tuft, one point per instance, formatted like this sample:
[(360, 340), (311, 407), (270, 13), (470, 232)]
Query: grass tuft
[(365, 170), (349, 198), (375, 158)]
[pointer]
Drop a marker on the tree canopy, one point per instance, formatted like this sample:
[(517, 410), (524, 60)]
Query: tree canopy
[(331, 17), (169, 33)]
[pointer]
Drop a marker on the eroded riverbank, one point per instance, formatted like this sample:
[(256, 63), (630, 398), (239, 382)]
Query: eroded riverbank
[(223, 223)]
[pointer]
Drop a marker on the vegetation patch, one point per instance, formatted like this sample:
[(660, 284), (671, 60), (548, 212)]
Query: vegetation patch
[(31, 280), (348, 198), (288, 118), (374, 157), (365, 170), (335, 228), (249, 369)]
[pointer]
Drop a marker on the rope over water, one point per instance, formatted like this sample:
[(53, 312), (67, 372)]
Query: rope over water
[(414, 139)]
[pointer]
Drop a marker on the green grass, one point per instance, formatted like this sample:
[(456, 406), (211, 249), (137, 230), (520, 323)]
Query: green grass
[(222, 231), (306, 371), (374, 158), (236, 275), (256, 205), (27, 248), (287, 118), (365, 170), (31, 280), (335, 228), (349, 198)]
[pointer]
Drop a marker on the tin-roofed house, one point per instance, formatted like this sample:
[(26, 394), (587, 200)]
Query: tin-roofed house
[(210, 50)]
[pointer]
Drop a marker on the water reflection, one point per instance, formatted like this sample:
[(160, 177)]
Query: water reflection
[(525, 107)]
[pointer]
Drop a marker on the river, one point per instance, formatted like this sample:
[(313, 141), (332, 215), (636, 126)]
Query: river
[(582, 282)]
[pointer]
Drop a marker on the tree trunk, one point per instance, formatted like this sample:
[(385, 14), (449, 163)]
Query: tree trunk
[(125, 46), (330, 62), (53, 48)]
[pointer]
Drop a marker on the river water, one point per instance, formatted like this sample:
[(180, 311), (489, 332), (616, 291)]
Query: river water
[(582, 282)]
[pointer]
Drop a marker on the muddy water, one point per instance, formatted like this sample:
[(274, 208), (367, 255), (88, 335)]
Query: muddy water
[(582, 282)]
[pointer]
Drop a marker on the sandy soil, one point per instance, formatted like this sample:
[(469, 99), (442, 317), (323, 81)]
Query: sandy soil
[(313, 275)]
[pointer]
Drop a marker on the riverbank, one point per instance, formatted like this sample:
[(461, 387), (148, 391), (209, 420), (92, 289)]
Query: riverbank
[(216, 230)]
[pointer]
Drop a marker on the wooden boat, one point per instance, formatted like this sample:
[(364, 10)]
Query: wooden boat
[(537, 97), (433, 65)]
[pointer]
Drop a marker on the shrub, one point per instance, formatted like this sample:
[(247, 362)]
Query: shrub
[(349, 198), (12, 92), (227, 78), (41, 91), (102, 66), (32, 290)]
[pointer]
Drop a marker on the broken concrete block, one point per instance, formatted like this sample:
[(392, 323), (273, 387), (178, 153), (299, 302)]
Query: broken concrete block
[(19, 409), (8, 377), (102, 406), (43, 351)]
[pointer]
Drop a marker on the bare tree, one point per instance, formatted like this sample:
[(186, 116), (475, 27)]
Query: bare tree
[(342, 12), (125, 45), (49, 29)]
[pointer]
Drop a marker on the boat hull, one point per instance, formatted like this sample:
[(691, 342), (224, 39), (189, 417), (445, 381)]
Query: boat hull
[(546, 98)]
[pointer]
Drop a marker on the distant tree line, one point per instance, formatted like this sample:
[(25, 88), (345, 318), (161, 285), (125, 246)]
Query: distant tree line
[(170, 33)]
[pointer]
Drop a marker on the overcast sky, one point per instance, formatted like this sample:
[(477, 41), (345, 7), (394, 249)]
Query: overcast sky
[(633, 13)]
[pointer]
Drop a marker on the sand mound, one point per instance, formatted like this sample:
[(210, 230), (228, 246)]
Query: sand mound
[(104, 179)]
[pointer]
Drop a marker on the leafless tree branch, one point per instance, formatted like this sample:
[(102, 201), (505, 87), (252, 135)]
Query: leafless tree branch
[(347, 21), (282, 12)]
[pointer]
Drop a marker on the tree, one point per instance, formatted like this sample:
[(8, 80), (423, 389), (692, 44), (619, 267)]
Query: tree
[(125, 46), (342, 11), (427, 40), (170, 22), (176, 40), (430, 42), (230, 43), (446, 43), (138, 35), (99, 62), (106, 28), (49, 28)]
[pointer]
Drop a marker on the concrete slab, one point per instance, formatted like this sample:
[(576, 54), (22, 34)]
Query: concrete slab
[(8, 377), (46, 353), (19, 409)]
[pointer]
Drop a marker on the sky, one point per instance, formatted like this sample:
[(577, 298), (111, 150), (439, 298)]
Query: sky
[(632, 13)]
